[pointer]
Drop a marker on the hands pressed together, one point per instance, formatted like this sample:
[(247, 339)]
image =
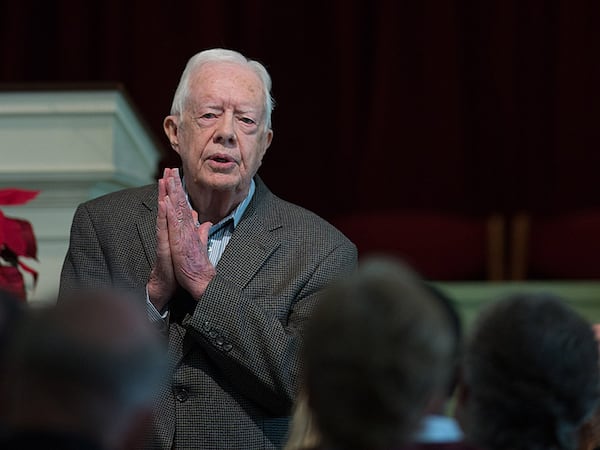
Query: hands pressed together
[(181, 252)]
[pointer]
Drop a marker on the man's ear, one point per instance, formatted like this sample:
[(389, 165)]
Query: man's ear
[(268, 139), (171, 127)]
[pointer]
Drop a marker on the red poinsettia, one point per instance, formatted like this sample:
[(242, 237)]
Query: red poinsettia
[(16, 239)]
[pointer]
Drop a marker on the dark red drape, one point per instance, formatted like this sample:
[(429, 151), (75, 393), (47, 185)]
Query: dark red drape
[(472, 106)]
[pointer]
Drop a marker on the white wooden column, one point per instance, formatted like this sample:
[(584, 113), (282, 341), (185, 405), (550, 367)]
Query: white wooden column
[(72, 146)]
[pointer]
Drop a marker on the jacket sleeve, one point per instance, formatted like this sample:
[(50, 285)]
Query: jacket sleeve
[(104, 252), (258, 352), (85, 265)]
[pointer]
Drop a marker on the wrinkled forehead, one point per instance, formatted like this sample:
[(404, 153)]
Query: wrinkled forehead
[(227, 82)]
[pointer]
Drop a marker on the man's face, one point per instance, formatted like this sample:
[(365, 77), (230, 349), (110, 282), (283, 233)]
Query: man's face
[(221, 134)]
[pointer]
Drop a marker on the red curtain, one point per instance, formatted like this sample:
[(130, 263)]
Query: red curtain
[(469, 106)]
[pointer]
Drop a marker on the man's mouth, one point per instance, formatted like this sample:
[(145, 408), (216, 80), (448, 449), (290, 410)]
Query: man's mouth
[(222, 158)]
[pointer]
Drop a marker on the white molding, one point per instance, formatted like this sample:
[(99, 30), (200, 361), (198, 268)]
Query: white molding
[(71, 146)]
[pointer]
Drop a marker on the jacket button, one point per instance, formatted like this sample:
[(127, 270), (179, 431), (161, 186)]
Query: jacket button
[(181, 394), (227, 347), (206, 326), (213, 333)]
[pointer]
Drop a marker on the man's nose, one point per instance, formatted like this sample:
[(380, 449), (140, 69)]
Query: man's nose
[(225, 133)]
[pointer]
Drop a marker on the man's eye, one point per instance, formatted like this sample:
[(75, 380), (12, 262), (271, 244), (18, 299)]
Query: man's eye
[(208, 116), (247, 120)]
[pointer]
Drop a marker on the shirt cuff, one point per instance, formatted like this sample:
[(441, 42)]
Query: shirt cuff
[(156, 317)]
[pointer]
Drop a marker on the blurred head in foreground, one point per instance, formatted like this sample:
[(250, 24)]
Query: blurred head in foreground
[(89, 367), (378, 349), (530, 375)]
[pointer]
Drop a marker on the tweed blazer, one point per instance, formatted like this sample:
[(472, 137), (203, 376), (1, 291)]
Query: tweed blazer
[(235, 350)]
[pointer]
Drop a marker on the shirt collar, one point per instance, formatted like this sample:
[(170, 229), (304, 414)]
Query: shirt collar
[(236, 214), (436, 428)]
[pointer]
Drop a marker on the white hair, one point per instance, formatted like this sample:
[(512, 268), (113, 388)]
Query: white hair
[(222, 55)]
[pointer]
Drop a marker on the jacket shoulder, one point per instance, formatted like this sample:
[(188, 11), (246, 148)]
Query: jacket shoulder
[(305, 222), (125, 199)]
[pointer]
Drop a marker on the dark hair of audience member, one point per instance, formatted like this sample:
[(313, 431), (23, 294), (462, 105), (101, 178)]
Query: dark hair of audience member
[(377, 349), (531, 374)]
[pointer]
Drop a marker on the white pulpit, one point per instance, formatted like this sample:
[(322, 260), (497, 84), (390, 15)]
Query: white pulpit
[(72, 146)]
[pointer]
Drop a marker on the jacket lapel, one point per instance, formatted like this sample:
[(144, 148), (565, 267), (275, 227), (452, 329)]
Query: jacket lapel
[(255, 238), (146, 225)]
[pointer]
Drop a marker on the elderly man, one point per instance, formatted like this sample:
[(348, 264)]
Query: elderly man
[(229, 271), (530, 375)]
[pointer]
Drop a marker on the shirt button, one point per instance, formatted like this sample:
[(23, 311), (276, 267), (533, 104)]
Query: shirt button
[(206, 326), (181, 394)]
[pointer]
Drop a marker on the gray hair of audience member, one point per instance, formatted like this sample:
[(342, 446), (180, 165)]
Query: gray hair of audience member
[(377, 349), (218, 55), (94, 354), (531, 374)]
